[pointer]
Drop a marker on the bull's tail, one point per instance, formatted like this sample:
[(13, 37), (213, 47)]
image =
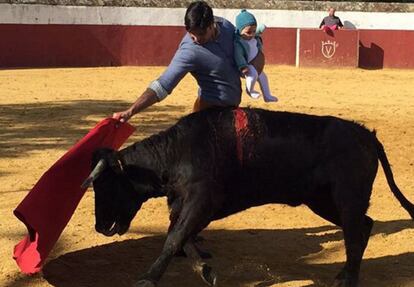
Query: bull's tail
[(390, 179)]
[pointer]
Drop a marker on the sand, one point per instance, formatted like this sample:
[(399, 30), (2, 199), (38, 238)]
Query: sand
[(43, 112)]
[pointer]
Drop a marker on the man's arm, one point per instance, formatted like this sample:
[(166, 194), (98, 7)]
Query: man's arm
[(147, 99), (322, 23), (239, 58), (181, 64), (340, 25)]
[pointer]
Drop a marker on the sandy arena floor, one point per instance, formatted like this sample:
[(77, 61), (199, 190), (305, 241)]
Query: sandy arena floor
[(43, 112)]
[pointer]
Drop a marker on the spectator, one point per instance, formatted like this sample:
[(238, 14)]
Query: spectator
[(331, 22)]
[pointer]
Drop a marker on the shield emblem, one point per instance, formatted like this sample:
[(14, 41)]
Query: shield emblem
[(328, 48)]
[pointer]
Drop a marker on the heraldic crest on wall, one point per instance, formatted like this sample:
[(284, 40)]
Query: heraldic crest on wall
[(328, 48)]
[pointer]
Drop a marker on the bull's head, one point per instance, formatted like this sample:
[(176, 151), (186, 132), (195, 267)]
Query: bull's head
[(117, 197)]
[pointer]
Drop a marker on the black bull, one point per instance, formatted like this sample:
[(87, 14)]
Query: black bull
[(218, 162)]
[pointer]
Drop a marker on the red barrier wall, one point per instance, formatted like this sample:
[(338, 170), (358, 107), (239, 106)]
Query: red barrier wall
[(87, 45), (280, 46), (386, 49), (328, 49), (107, 45)]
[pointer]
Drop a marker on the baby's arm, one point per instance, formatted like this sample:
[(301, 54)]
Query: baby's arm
[(239, 58), (260, 29)]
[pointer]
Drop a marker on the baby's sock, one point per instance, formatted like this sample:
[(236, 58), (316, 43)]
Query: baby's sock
[(264, 85), (251, 79)]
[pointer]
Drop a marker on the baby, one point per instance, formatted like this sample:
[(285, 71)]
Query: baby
[(247, 44)]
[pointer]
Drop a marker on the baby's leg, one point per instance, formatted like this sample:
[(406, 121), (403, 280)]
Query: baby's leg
[(251, 79), (264, 85)]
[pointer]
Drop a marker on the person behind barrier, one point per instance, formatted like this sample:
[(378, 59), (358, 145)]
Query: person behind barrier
[(331, 22), (247, 44), (206, 51)]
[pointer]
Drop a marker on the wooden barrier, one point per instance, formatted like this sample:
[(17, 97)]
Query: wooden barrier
[(279, 46), (318, 48), (64, 45), (386, 49), (87, 45)]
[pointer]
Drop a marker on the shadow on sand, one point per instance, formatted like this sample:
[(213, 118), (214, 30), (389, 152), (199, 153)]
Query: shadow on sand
[(240, 257), (60, 124)]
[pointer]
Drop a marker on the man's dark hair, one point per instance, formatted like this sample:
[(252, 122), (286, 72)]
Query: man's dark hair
[(199, 16)]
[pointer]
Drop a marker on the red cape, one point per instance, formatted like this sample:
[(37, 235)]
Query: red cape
[(48, 207)]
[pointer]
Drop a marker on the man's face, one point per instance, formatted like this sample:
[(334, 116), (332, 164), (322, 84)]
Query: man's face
[(201, 37), (248, 32), (331, 12)]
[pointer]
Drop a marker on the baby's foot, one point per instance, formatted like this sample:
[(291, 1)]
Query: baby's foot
[(270, 98), (253, 94)]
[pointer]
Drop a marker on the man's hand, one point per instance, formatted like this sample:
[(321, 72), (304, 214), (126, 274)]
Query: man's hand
[(245, 70), (148, 98), (123, 117)]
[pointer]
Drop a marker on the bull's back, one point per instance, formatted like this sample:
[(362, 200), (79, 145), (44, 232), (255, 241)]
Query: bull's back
[(282, 157), (270, 156)]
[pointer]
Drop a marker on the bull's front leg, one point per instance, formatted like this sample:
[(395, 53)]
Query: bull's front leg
[(172, 245), (192, 252), (192, 219), (199, 266)]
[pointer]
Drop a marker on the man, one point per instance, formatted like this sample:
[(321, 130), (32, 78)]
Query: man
[(206, 51), (331, 22)]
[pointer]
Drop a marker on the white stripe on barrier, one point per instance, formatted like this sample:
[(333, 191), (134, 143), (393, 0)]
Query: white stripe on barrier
[(47, 14), (86, 15), (297, 46)]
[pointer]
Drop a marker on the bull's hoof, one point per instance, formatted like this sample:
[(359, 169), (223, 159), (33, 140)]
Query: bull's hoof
[(144, 283), (208, 275)]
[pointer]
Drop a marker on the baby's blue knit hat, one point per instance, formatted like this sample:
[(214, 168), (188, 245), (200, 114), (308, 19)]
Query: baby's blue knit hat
[(244, 19)]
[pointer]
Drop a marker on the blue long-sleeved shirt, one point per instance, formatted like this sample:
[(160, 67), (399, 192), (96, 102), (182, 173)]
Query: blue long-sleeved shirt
[(211, 64)]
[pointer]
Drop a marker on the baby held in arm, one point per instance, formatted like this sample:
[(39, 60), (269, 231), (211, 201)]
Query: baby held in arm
[(247, 47)]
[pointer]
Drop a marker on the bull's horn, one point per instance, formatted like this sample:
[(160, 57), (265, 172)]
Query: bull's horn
[(99, 168)]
